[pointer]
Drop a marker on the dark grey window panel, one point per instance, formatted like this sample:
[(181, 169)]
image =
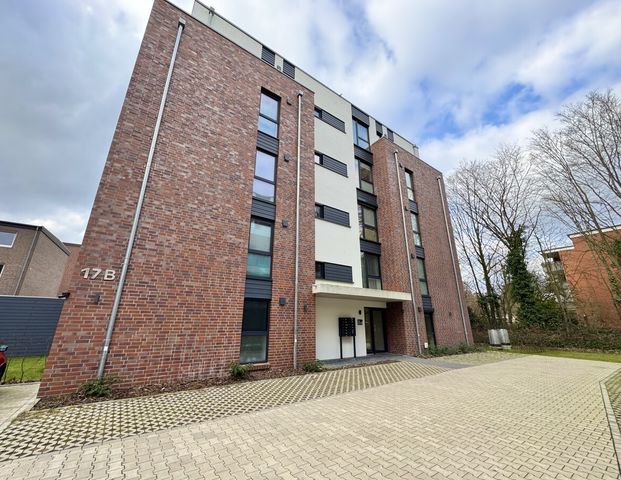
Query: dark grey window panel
[(413, 206), (27, 324), (335, 215), (256, 288), (360, 115), (379, 129), (338, 273), (427, 305), (288, 69), (332, 120), (390, 135), (363, 154), (367, 198), (420, 252), (267, 142), (263, 209), (334, 165), (268, 56), (370, 247)]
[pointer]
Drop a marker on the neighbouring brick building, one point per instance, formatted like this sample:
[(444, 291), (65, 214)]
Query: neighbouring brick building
[(32, 260), (212, 274), (584, 278)]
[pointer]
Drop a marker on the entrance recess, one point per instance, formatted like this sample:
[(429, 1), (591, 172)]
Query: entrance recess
[(375, 330), (431, 331)]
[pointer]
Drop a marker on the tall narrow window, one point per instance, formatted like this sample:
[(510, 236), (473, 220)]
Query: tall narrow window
[(367, 221), (361, 134), (260, 249), (422, 277), (416, 230), (371, 276), (409, 183), (254, 331), (264, 182), (365, 176), (1, 269), (268, 115)]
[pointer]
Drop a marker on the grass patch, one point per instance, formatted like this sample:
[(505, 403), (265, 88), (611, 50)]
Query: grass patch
[(581, 355), (24, 369)]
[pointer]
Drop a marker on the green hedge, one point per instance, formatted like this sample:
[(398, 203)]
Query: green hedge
[(580, 337)]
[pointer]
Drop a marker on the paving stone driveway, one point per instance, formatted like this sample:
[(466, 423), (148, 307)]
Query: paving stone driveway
[(528, 418)]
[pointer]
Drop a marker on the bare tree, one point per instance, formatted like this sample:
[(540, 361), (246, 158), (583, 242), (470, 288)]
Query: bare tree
[(579, 165)]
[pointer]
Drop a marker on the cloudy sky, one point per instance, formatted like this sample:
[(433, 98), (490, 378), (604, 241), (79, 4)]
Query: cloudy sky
[(456, 78)]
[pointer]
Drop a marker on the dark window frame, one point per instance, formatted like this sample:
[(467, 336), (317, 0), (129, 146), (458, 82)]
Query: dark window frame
[(409, 184), (257, 333), (358, 164), (422, 276), (356, 126), (276, 120), (261, 253), (365, 270), (418, 241), (262, 179), (362, 225), (320, 270)]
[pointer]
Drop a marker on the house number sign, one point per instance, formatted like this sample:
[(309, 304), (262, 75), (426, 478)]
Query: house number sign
[(94, 273)]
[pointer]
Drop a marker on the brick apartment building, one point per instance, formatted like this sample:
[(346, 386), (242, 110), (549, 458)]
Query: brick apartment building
[(212, 274), (584, 279), (32, 260)]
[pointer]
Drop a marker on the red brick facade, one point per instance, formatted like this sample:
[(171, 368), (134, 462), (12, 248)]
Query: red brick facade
[(180, 316), (589, 285), (443, 291)]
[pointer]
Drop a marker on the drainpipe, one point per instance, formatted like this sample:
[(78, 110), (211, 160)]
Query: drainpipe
[(297, 236), (26, 266), (407, 252), (143, 189), (450, 240)]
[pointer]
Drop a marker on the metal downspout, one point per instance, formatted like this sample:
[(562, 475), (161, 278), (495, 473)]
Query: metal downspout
[(407, 252), (143, 189), (450, 240), (297, 236)]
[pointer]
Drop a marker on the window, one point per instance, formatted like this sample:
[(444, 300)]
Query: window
[(367, 221), (318, 158), (416, 230), (317, 112), (7, 239), (268, 115), (371, 277), (365, 176), (1, 269), (318, 211), (409, 183), (260, 249), (361, 134), (320, 270), (254, 331), (422, 277), (264, 185)]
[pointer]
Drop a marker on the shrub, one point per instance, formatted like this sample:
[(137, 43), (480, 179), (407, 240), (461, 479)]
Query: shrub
[(238, 371), (314, 366), (576, 336), (101, 387), (461, 348)]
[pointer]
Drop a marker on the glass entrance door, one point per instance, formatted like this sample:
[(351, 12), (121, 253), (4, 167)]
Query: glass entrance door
[(375, 330)]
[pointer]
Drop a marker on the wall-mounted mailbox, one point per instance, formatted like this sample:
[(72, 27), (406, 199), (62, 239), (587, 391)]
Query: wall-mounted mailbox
[(347, 328)]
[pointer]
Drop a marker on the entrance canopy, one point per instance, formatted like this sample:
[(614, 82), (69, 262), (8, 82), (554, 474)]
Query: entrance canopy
[(355, 293)]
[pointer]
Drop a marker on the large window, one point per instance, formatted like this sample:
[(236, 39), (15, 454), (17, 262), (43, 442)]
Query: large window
[(361, 134), (365, 176), (7, 239), (416, 230), (254, 331), (264, 182), (371, 276), (367, 221), (409, 183), (422, 277), (260, 249), (268, 115)]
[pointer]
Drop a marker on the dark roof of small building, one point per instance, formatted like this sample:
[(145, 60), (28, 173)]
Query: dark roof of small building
[(41, 228)]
